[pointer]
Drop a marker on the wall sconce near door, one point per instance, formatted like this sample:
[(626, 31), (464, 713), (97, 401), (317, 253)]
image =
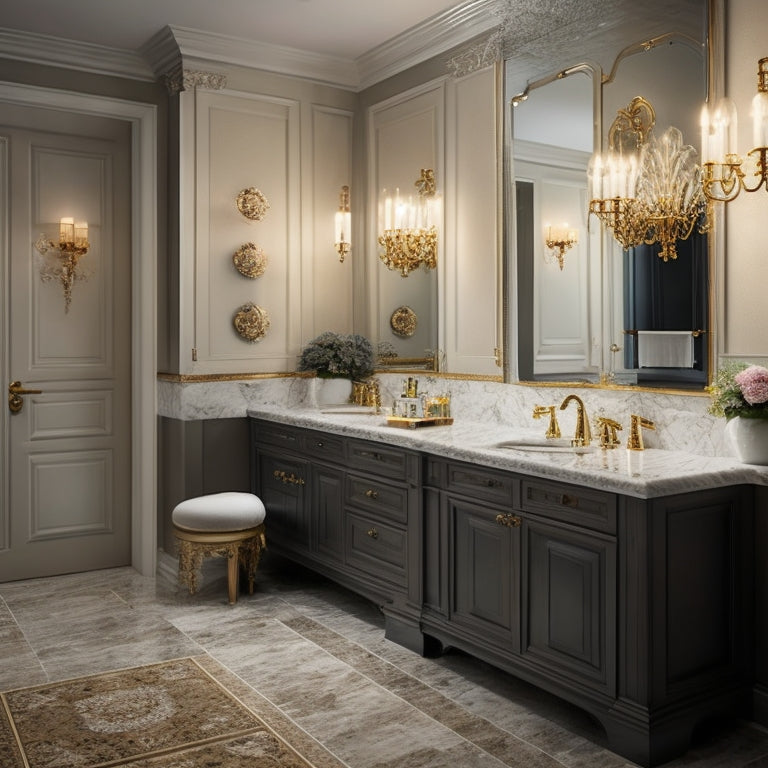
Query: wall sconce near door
[(558, 240), (647, 189), (408, 226), (342, 225), (72, 246), (725, 172)]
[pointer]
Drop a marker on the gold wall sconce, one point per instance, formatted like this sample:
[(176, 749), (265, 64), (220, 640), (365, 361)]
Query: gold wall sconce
[(725, 173), (72, 246), (409, 227), (647, 189), (342, 225), (558, 240)]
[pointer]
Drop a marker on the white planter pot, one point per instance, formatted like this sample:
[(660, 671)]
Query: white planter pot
[(749, 439), (333, 391)]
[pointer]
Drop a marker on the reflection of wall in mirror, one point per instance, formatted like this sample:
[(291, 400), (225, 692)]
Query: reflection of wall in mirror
[(553, 140)]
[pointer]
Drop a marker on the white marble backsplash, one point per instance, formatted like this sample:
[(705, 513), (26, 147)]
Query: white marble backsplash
[(682, 422)]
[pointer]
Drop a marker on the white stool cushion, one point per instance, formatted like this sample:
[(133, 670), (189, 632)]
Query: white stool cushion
[(230, 511)]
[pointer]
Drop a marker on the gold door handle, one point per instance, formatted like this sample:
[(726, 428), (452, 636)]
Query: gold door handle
[(15, 399)]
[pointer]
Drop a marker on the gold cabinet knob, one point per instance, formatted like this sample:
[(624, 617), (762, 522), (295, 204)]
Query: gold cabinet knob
[(373, 533), (508, 520), (371, 494)]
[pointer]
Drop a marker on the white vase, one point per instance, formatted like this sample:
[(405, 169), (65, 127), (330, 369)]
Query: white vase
[(749, 439), (333, 391)]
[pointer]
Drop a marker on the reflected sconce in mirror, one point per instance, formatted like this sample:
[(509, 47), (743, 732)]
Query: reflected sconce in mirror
[(558, 240), (725, 173), (408, 227), (63, 266), (647, 189), (342, 225)]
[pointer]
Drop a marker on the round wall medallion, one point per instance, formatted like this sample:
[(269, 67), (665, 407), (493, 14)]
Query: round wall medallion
[(252, 204), (250, 260), (403, 322), (251, 321)]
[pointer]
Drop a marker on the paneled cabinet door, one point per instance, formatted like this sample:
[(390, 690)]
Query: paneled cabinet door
[(485, 588), (282, 488), (327, 504), (569, 602)]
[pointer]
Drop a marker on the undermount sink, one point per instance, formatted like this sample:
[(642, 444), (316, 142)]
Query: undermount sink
[(544, 445)]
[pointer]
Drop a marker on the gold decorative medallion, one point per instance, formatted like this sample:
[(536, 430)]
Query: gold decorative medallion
[(252, 203), (403, 322), (250, 260), (251, 322)]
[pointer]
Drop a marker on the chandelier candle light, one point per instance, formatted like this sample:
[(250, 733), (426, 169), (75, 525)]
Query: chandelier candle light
[(559, 240), (408, 226), (342, 225), (647, 189), (725, 172), (72, 246)]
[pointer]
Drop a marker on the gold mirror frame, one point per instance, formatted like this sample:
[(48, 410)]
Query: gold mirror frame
[(714, 80)]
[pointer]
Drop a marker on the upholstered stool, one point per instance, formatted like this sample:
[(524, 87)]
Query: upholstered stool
[(227, 525)]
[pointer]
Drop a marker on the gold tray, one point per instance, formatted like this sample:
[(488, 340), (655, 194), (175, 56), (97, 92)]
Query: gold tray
[(427, 421)]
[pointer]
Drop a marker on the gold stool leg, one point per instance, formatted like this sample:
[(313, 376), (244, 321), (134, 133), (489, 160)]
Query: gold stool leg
[(190, 560), (233, 571)]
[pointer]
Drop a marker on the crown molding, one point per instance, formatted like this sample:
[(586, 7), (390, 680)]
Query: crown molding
[(215, 49), (172, 47), (71, 54), (431, 38)]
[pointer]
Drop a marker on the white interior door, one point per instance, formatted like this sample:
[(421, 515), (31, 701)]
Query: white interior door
[(67, 450)]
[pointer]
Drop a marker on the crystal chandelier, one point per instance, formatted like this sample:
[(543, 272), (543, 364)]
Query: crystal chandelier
[(408, 226), (647, 189)]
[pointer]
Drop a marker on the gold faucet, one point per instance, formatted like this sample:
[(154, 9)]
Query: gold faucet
[(636, 425), (553, 430), (607, 429), (583, 434)]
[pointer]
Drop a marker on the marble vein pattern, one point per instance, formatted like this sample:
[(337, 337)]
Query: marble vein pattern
[(313, 656), (644, 474)]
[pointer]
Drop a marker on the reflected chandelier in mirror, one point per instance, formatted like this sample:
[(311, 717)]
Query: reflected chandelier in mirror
[(647, 189)]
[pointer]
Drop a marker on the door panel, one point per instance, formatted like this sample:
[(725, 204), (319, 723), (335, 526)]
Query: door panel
[(69, 447)]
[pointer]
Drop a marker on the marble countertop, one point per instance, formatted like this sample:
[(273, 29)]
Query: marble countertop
[(643, 474)]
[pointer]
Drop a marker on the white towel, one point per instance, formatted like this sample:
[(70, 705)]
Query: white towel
[(665, 349)]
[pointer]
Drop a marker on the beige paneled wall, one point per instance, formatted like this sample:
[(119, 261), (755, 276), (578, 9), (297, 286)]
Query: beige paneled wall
[(746, 254), (292, 141)]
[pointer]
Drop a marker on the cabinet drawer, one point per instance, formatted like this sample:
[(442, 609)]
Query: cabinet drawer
[(270, 433), (480, 483), (376, 548), (383, 460), (324, 446), (381, 499), (570, 503)]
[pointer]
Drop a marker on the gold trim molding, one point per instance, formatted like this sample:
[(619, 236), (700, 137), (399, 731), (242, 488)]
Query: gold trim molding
[(204, 378)]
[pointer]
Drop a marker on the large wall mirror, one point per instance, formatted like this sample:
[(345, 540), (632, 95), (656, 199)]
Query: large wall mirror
[(581, 308)]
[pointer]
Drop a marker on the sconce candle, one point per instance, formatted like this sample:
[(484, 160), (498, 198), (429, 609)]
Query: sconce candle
[(73, 245), (342, 224), (407, 226)]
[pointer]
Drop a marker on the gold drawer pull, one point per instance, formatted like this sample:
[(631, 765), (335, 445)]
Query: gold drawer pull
[(371, 494), (373, 533), (284, 477), (569, 501), (511, 521)]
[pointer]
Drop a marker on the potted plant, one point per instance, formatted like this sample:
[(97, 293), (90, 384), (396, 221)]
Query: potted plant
[(739, 392), (338, 356)]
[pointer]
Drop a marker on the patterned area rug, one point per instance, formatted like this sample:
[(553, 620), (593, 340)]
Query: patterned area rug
[(168, 715)]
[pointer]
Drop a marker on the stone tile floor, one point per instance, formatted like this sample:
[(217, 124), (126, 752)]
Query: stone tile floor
[(318, 653)]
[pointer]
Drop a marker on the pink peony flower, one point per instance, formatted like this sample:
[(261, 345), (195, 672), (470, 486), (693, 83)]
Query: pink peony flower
[(753, 382)]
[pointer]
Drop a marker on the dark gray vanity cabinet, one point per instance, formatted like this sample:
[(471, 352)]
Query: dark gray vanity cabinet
[(348, 508), (640, 611)]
